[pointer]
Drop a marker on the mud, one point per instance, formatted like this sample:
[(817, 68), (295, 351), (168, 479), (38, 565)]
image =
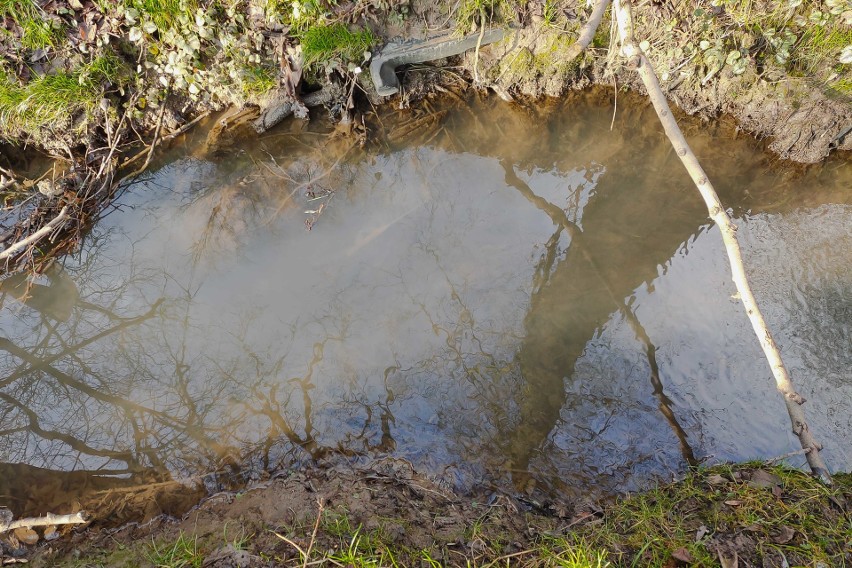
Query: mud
[(389, 514)]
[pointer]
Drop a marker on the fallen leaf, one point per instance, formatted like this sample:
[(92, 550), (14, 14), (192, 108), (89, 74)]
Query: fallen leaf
[(716, 479), (682, 555), (733, 503), (699, 534), (762, 478), (784, 536), (728, 562), (754, 527), (50, 533), (26, 535)]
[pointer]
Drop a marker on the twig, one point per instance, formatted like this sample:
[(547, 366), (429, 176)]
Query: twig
[(792, 399), (186, 126), (787, 455), (47, 229), (47, 520), (314, 534), (114, 144)]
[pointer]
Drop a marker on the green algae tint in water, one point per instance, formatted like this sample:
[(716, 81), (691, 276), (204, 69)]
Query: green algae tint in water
[(518, 296)]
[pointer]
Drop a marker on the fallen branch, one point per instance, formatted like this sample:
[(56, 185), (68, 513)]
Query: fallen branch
[(587, 32), (48, 520), (38, 235), (792, 399)]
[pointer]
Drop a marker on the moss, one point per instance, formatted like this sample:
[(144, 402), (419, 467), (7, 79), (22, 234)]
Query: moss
[(324, 43)]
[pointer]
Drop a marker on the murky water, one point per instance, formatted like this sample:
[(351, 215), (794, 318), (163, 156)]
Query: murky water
[(512, 296)]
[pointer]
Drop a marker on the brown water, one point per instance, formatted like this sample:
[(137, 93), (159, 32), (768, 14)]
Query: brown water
[(504, 296)]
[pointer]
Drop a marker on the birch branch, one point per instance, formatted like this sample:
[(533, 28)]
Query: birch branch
[(47, 520), (784, 384), (38, 235)]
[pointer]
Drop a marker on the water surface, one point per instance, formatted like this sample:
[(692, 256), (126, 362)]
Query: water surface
[(502, 296)]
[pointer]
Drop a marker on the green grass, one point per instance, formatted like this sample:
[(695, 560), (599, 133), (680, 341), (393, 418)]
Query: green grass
[(471, 13), (648, 527), (182, 553), (258, 80), (324, 43), (301, 16), (36, 31), (164, 13), (49, 101)]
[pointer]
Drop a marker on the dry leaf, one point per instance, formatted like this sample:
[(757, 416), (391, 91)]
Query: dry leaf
[(50, 533), (26, 535), (699, 534), (682, 555), (733, 503), (762, 478), (716, 479), (784, 536), (728, 562)]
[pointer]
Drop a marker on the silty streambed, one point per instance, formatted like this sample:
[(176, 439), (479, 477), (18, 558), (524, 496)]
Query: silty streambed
[(499, 295)]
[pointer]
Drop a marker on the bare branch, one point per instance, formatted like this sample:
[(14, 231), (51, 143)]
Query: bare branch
[(587, 32), (792, 399), (48, 520), (35, 237)]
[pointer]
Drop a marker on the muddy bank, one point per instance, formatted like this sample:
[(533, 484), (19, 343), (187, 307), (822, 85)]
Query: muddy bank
[(97, 85), (389, 514)]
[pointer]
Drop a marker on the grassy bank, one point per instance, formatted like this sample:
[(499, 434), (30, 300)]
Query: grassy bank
[(753, 514), (69, 67)]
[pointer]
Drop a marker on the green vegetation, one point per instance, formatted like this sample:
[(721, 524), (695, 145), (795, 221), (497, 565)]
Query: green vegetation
[(182, 553), (324, 43), (49, 102), (36, 31), (470, 14), (769, 516), (164, 13), (775, 514)]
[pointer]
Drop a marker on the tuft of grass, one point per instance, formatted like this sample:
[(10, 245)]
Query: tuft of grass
[(51, 101), (164, 13), (324, 43), (300, 15), (257, 80), (37, 32), (182, 553), (470, 14)]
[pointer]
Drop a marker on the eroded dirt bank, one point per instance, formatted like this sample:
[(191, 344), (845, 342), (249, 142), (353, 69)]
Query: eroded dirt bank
[(388, 514)]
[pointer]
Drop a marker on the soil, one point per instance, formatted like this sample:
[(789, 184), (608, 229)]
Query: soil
[(760, 515), (801, 123)]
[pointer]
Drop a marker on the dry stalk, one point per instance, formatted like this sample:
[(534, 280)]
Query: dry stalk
[(719, 215)]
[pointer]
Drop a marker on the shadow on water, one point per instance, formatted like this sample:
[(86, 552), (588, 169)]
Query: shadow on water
[(521, 296)]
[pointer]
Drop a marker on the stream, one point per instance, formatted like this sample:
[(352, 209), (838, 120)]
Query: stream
[(502, 295)]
